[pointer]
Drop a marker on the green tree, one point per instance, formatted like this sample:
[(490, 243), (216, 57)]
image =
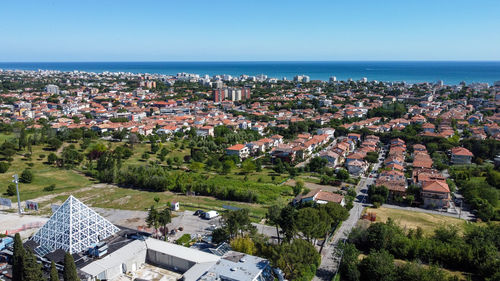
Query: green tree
[(287, 222), (4, 167), (153, 218), (11, 189), (348, 267), (343, 174), (164, 218), (317, 164), (69, 272), (54, 143), (52, 158), (378, 194), (18, 259), (248, 166), (308, 223), (297, 188), (31, 269), (377, 266), (220, 235), (227, 166), (298, 260), (243, 244), (54, 275), (237, 222), (26, 176), (493, 178), (22, 139), (273, 217)]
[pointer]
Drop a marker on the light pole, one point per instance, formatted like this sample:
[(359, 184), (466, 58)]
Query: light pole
[(16, 181)]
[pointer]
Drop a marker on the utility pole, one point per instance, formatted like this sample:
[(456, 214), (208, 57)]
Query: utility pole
[(460, 213), (16, 181)]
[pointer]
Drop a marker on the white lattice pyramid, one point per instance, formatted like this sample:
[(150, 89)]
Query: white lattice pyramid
[(73, 227)]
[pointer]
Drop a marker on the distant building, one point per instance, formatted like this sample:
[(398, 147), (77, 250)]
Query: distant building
[(219, 95), (332, 80), (53, 89), (302, 78), (232, 94)]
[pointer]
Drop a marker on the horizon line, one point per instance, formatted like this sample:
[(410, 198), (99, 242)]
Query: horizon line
[(238, 61)]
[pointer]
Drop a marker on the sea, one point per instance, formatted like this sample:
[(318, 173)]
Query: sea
[(450, 72)]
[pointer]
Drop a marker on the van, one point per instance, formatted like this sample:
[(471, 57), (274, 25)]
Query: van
[(211, 214)]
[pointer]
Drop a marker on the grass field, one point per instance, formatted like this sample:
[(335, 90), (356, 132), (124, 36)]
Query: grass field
[(69, 181), (44, 175), (409, 219)]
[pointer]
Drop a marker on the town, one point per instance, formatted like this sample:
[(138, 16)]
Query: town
[(136, 176)]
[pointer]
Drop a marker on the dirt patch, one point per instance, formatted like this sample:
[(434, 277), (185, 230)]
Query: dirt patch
[(312, 186)]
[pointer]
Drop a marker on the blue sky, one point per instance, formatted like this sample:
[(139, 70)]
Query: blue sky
[(220, 30)]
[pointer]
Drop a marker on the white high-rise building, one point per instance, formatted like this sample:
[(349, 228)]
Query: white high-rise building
[(333, 79), (53, 89)]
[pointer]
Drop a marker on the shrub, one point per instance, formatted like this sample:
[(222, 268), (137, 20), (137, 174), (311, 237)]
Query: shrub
[(27, 176), (50, 187), (4, 167), (11, 189)]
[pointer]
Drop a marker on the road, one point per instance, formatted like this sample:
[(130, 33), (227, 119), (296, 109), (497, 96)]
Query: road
[(331, 257)]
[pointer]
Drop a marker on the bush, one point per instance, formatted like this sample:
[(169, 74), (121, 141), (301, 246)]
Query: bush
[(50, 187), (11, 189), (4, 167), (27, 176)]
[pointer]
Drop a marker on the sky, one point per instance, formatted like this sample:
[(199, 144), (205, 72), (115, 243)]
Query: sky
[(254, 30)]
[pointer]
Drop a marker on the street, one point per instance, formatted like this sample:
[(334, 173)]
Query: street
[(331, 257)]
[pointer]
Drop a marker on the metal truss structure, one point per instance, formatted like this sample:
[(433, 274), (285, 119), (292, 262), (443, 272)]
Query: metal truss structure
[(74, 227)]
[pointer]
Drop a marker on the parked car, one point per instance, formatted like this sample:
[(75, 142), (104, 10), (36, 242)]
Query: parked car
[(199, 213)]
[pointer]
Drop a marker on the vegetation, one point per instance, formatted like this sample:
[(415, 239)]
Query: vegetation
[(476, 251), (474, 184), (378, 195), (69, 272), (24, 264)]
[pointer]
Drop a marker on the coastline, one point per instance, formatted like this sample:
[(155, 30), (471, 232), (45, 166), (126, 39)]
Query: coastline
[(450, 72)]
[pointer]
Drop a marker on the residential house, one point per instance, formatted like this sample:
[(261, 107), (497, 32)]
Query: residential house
[(321, 197), (435, 194), (461, 155), (240, 150)]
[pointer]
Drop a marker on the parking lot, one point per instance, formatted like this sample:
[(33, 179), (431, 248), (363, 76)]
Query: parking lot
[(192, 224)]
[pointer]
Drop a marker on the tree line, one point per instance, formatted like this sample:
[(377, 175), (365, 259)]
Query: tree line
[(475, 251), (25, 266)]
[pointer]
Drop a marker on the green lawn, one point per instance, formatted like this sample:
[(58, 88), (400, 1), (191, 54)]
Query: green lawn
[(44, 175), (69, 181)]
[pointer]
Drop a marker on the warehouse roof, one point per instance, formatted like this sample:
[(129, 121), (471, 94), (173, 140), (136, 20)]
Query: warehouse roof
[(179, 251), (114, 259)]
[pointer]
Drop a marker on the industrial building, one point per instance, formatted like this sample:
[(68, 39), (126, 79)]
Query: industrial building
[(103, 251)]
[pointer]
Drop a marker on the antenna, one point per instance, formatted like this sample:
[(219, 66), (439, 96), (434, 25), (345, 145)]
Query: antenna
[(16, 181)]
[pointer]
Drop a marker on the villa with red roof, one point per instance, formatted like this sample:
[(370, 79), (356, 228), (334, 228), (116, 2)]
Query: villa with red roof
[(460, 156), (238, 149), (435, 194)]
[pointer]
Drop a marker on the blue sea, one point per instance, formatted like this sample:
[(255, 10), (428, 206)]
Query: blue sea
[(451, 72)]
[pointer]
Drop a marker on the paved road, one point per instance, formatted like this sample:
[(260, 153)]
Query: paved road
[(331, 257)]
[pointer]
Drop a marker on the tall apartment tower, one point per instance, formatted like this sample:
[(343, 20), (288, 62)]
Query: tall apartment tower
[(219, 95), (246, 93)]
